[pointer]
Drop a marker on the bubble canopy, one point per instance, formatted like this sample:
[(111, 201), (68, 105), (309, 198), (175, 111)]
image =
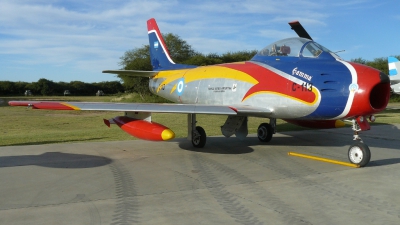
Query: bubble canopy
[(294, 47)]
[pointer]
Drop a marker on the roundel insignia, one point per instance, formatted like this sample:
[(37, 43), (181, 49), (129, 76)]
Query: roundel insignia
[(353, 87), (180, 86)]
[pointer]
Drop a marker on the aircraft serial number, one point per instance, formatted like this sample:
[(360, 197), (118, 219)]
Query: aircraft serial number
[(302, 87)]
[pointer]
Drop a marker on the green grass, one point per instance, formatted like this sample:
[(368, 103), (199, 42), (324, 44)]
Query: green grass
[(22, 126)]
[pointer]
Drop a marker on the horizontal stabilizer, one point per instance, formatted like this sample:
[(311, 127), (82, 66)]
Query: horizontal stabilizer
[(133, 73)]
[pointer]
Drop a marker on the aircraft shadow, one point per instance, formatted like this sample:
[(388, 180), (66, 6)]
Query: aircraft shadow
[(218, 145), (55, 160), (384, 162)]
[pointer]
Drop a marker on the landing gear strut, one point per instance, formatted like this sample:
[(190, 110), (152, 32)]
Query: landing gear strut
[(359, 152)]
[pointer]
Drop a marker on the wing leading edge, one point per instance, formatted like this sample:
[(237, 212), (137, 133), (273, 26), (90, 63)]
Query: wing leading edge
[(133, 73), (147, 107)]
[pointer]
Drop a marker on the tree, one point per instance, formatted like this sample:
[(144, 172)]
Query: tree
[(7, 88), (204, 60), (359, 60), (380, 64), (45, 87), (81, 88), (111, 87), (179, 49), (136, 59), (20, 87), (238, 56)]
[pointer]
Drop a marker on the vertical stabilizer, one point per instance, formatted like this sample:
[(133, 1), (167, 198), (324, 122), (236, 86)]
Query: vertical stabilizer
[(394, 74), (394, 64), (159, 54)]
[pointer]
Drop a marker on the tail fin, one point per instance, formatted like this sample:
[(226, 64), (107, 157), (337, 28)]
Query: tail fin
[(159, 54), (392, 61), (394, 69), (394, 74)]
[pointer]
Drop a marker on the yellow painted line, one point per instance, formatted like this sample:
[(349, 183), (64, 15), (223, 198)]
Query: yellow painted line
[(323, 159)]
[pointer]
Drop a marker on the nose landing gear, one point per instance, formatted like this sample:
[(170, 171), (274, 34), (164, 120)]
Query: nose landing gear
[(359, 152)]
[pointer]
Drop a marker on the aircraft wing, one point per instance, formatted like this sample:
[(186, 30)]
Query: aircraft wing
[(133, 73), (147, 107)]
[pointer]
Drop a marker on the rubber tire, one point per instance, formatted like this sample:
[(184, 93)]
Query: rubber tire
[(264, 132), (199, 142), (359, 154)]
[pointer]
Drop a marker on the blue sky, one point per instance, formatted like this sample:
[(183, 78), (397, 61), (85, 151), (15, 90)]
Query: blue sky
[(75, 40)]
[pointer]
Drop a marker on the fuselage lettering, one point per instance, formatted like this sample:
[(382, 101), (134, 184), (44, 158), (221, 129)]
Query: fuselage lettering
[(297, 72), (302, 87)]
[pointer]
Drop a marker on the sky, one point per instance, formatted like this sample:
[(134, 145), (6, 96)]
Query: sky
[(74, 40)]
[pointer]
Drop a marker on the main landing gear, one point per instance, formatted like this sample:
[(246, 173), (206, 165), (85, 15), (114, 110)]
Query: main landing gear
[(359, 152), (266, 130), (196, 134), (199, 137)]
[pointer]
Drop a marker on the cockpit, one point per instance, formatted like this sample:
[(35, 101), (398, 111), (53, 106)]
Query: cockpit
[(295, 47)]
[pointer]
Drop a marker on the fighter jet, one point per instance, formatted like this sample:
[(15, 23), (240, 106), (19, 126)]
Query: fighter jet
[(294, 79)]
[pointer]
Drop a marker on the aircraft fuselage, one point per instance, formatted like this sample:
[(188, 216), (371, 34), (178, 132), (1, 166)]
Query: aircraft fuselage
[(312, 89)]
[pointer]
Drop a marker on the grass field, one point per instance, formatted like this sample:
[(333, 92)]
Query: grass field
[(23, 126)]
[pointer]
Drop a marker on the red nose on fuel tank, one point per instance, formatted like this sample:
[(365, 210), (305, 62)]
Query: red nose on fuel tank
[(371, 93)]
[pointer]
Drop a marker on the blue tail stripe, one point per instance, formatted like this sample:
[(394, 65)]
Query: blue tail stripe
[(392, 59), (392, 72)]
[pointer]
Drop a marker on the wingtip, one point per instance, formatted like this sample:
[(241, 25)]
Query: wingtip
[(107, 122)]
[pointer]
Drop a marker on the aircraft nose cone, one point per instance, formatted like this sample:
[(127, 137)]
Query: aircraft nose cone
[(373, 92)]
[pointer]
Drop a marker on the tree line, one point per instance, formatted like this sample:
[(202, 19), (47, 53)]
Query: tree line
[(48, 87)]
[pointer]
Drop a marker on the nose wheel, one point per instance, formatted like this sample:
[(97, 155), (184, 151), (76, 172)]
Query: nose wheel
[(359, 154)]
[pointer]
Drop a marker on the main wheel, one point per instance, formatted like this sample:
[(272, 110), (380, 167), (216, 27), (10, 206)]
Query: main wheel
[(199, 137), (264, 132), (359, 154)]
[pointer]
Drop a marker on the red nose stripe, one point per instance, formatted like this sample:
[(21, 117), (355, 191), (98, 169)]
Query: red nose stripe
[(367, 78)]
